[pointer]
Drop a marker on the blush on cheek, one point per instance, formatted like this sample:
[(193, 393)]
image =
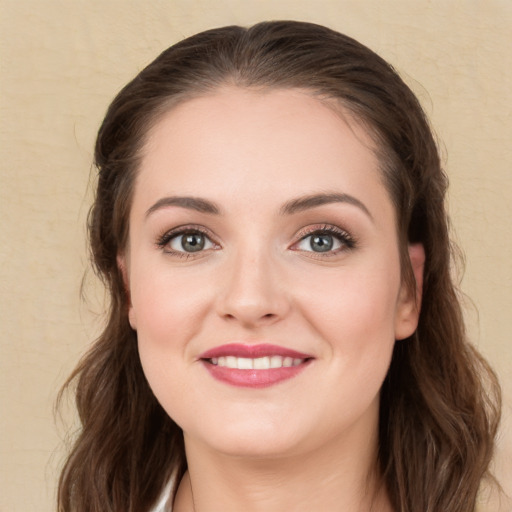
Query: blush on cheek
[(364, 310)]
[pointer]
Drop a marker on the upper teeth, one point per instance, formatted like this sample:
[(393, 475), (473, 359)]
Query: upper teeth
[(259, 363)]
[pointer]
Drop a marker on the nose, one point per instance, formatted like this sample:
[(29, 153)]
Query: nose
[(253, 291)]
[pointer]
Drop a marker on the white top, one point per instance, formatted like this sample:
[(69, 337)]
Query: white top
[(164, 503)]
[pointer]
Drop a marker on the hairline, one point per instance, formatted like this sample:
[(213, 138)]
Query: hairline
[(346, 110)]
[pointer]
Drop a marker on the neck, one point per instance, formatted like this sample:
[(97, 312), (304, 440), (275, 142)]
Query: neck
[(342, 475)]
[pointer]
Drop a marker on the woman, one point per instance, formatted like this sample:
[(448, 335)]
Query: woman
[(284, 333)]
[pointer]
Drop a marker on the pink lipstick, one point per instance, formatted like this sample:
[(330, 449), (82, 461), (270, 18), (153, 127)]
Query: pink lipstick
[(254, 366)]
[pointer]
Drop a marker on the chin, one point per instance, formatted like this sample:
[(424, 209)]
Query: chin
[(252, 448), (250, 439)]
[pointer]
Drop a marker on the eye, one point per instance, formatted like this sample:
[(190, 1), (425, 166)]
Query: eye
[(190, 242), (327, 239), (186, 241)]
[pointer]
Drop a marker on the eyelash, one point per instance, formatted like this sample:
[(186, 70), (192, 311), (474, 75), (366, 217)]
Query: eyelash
[(168, 236), (347, 241)]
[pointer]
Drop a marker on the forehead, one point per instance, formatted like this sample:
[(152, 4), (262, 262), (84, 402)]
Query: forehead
[(260, 109), (263, 141)]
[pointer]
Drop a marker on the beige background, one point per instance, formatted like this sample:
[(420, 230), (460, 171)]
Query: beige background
[(61, 63)]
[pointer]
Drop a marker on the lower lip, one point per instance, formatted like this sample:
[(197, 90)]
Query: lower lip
[(254, 378)]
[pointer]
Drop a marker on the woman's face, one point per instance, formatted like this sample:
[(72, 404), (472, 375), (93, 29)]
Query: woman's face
[(263, 270)]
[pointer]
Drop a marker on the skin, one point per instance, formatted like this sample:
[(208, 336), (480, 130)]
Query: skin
[(310, 442)]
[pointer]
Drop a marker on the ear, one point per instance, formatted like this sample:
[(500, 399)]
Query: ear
[(123, 268), (409, 303)]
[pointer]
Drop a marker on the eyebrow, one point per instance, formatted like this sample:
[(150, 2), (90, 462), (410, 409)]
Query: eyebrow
[(191, 203), (312, 201), (296, 205)]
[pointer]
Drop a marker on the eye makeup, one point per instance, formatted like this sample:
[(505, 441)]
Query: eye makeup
[(324, 240), (319, 240), (186, 241)]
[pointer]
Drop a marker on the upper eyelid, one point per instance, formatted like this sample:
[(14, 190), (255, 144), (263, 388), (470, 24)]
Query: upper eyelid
[(187, 228), (319, 228), (347, 239), (166, 236)]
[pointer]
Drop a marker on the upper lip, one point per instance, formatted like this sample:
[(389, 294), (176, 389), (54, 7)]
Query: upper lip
[(252, 351)]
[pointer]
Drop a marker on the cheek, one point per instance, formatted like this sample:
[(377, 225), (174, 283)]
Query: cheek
[(167, 309), (353, 313), (354, 308), (165, 302), (166, 319), (357, 320)]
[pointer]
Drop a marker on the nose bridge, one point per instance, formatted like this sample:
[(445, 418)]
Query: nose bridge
[(253, 291)]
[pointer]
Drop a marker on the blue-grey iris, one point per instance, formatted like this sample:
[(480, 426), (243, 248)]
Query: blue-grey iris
[(321, 243)]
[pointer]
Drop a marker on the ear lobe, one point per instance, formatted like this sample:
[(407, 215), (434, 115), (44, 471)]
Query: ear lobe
[(121, 264), (409, 304)]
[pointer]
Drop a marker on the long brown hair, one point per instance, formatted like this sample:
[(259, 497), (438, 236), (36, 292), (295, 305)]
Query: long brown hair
[(440, 401)]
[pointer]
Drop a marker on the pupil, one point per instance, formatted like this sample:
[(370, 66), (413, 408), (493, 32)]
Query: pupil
[(193, 242), (321, 243)]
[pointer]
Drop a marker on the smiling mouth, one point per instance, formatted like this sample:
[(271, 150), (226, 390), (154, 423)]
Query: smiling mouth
[(258, 363), (254, 366)]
